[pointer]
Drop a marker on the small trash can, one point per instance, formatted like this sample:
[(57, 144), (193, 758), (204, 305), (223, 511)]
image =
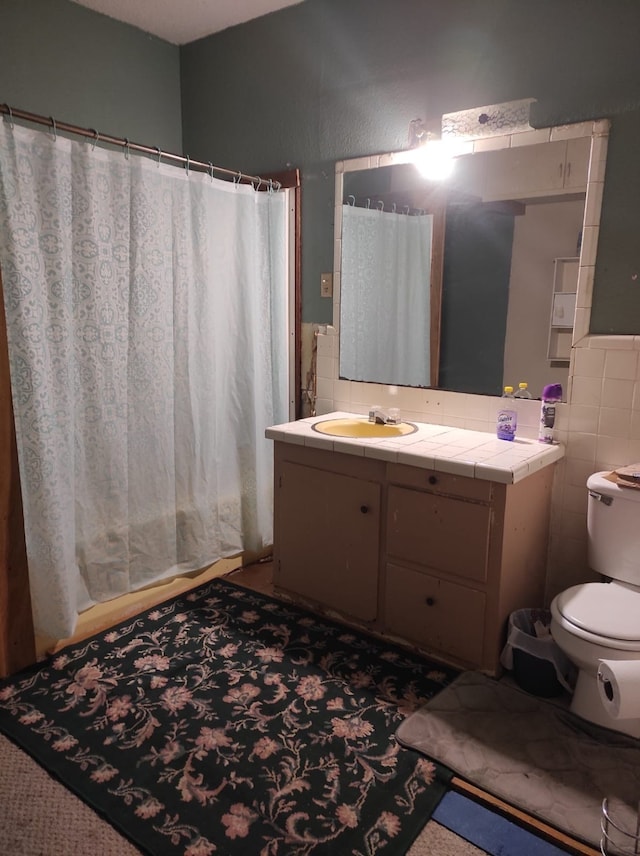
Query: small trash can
[(539, 666)]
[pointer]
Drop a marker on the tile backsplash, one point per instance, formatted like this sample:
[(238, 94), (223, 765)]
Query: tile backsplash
[(599, 427)]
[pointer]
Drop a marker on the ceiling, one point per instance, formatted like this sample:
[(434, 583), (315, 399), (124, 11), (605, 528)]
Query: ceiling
[(183, 21)]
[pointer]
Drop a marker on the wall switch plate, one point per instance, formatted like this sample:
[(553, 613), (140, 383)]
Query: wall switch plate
[(326, 285)]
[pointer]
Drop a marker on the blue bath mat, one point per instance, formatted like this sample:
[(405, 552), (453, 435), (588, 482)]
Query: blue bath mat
[(489, 830)]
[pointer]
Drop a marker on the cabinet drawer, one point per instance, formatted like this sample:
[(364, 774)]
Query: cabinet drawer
[(436, 482), (440, 532), (435, 614)]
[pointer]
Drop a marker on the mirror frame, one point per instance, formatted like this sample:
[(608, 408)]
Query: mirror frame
[(597, 131)]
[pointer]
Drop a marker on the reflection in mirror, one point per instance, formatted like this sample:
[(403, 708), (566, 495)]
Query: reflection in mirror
[(391, 325), (466, 284)]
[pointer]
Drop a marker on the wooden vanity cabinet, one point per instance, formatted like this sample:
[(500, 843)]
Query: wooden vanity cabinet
[(436, 560), (461, 555), (327, 528)]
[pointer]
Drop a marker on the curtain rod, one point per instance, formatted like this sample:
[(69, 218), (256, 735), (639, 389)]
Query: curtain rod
[(123, 142)]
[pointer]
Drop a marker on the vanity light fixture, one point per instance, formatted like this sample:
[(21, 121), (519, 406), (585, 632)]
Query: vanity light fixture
[(434, 158)]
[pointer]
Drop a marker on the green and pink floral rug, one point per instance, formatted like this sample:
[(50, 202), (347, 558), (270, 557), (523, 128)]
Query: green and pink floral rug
[(225, 722)]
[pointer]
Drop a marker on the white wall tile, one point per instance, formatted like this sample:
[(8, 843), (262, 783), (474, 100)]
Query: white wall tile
[(621, 364), (600, 428), (588, 362), (583, 418), (586, 391), (586, 276), (617, 393), (611, 452), (593, 203), (582, 446)]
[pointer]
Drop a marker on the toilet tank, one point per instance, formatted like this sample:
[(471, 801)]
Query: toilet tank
[(613, 529)]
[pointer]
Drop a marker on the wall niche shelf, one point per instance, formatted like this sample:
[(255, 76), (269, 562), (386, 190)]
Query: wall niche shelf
[(563, 308)]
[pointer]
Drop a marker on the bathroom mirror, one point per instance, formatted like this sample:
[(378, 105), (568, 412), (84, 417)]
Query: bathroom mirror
[(475, 276)]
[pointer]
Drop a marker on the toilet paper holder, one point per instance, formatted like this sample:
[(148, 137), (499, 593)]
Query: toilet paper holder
[(615, 840)]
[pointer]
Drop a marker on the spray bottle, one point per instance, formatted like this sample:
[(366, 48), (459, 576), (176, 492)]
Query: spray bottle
[(507, 421), (551, 395)]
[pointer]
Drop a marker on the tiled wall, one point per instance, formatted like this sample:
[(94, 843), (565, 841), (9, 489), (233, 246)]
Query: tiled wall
[(599, 427)]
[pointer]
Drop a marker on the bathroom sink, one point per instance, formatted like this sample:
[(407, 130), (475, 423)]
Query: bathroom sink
[(350, 427)]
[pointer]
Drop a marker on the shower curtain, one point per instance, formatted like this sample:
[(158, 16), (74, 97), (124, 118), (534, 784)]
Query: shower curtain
[(385, 309), (147, 330)]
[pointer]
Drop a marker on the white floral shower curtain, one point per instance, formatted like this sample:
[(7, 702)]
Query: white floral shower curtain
[(385, 309), (146, 319)]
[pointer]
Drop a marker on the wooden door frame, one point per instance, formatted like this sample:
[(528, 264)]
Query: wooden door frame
[(17, 638)]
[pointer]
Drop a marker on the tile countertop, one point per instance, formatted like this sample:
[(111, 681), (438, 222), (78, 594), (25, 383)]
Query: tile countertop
[(458, 451)]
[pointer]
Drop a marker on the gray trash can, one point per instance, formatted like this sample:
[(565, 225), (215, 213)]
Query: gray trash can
[(539, 666)]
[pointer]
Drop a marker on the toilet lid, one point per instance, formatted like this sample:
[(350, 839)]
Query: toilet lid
[(604, 609)]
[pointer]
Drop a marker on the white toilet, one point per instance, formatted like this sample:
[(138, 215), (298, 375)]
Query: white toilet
[(597, 621)]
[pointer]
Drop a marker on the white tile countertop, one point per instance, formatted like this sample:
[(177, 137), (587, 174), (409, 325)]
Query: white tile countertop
[(458, 451)]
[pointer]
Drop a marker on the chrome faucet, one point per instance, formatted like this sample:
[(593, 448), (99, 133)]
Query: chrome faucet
[(382, 417)]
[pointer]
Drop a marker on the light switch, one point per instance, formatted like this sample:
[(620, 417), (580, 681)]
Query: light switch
[(326, 285)]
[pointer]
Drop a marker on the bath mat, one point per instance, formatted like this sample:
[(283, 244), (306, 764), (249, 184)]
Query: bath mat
[(223, 721), (488, 830), (531, 753)]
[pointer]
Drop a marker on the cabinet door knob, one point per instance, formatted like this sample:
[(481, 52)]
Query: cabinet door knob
[(430, 601), (433, 479), (364, 509)]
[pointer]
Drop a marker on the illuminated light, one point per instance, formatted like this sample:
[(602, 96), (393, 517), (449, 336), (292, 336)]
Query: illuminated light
[(435, 160)]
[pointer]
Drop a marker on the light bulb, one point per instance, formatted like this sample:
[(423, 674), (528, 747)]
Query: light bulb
[(435, 160)]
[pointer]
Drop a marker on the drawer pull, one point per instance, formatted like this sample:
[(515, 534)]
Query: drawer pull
[(430, 601), (433, 479), (364, 509)]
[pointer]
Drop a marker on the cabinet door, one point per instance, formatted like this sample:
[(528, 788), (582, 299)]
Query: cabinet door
[(524, 170), (328, 538), (439, 532), (436, 614), (577, 164)]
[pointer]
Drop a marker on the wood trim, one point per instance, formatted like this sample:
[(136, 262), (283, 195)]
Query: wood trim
[(437, 275), (538, 827), (291, 179), (17, 641)]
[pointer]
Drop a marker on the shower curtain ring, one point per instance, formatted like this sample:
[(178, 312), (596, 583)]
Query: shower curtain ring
[(157, 148), (381, 205), (186, 165), (211, 170), (53, 127), (125, 146), (9, 110), (96, 139), (351, 197)]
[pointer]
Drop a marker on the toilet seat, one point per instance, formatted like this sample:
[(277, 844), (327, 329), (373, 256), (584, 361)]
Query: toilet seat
[(604, 613)]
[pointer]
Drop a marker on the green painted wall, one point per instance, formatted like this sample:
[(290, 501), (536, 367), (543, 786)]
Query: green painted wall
[(58, 58), (332, 79)]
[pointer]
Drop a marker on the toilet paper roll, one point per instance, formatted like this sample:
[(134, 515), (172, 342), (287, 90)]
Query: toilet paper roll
[(619, 687)]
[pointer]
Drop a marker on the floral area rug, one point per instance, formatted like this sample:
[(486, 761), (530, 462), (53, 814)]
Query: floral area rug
[(225, 722)]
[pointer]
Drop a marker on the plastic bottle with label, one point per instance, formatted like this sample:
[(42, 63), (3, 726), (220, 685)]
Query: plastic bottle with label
[(551, 395), (507, 420), (523, 391)]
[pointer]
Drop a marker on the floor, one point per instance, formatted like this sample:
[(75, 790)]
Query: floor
[(257, 574), (259, 577)]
